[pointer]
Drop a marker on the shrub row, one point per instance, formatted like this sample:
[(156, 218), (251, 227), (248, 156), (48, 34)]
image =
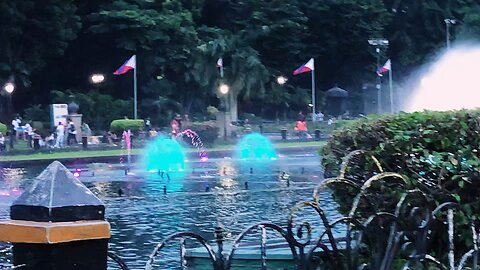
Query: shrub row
[(134, 125), (437, 152), (3, 129)]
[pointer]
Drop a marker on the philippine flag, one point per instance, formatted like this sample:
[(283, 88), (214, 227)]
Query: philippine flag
[(386, 68), (309, 66), (219, 62), (129, 64)]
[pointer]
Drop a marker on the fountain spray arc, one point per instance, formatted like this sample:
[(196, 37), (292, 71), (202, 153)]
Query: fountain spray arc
[(450, 83), (128, 144)]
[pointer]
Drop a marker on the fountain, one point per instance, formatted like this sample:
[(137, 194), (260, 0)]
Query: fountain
[(195, 141), (255, 154), (164, 159), (128, 144), (451, 83)]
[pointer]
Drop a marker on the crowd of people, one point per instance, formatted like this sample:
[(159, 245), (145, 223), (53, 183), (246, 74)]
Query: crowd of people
[(63, 133), (66, 133)]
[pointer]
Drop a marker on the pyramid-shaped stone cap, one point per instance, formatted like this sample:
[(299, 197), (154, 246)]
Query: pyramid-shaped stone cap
[(56, 195)]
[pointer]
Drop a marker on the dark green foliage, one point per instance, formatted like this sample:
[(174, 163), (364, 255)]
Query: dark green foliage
[(34, 32), (207, 131), (98, 109), (37, 112), (120, 125), (3, 129), (58, 44), (437, 152)]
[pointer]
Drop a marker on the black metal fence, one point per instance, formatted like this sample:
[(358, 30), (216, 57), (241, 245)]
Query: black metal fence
[(401, 239), (371, 238)]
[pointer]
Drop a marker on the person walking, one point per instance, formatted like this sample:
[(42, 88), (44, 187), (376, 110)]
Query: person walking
[(29, 133), (16, 126), (60, 130), (72, 133), (2, 142)]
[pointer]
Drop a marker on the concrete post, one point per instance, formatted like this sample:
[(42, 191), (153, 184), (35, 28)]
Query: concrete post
[(57, 223)]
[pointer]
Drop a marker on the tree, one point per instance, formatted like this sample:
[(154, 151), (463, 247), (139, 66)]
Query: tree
[(470, 27), (34, 32)]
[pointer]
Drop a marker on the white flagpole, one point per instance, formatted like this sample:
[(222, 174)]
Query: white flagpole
[(390, 83), (135, 116), (313, 93)]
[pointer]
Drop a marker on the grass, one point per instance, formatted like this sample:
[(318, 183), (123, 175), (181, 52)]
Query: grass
[(120, 152)]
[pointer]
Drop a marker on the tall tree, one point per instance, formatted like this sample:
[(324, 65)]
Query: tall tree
[(34, 32)]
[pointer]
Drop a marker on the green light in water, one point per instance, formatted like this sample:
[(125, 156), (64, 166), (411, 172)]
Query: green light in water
[(164, 159), (255, 154), (255, 146)]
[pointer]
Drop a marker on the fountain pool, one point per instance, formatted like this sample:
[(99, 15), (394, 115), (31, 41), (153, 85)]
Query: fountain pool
[(142, 214)]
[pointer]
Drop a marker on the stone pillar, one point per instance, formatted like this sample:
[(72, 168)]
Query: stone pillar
[(58, 223), (77, 120)]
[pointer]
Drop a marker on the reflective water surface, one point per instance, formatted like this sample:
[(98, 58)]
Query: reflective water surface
[(144, 208)]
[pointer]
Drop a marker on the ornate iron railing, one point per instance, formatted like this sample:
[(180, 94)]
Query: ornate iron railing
[(378, 240)]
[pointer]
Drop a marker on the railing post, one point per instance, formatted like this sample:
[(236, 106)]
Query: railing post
[(219, 232), (57, 223)]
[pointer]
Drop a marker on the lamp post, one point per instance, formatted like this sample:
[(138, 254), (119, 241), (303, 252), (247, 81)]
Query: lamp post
[(9, 88), (281, 80), (224, 89), (97, 78), (448, 22), (378, 42)]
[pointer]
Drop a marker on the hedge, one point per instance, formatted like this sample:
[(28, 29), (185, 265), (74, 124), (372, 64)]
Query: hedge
[(118, 126), (3, 128), (436, 152)]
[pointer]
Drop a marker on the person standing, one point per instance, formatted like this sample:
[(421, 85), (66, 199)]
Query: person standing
[(301, 116), (148, 124), (72, 133), (16, 126), (86, 131), (2, 142), (175, 127), (60, 130), (13, 133), (29, 134)]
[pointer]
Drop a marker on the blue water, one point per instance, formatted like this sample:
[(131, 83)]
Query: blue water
[(212, 192)]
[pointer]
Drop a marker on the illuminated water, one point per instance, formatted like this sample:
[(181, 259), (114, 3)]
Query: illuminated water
[(255, 153), (450, 83), (144, 215)]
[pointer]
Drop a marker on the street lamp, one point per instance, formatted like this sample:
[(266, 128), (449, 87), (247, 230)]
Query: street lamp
[(282, 80), (224, 89), (448, 22), (97, 78), (9, 87), (378, 42)]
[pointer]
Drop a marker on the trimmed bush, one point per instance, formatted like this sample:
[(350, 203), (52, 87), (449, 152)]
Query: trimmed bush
[(207, 131), (437, 152), (135, 125), (3, 128)]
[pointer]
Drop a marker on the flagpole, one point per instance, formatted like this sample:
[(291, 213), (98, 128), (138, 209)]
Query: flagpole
[(313, 94), (135, 116), (390, 84)]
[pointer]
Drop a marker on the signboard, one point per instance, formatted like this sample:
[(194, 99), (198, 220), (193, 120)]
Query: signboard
[(58, 113)]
